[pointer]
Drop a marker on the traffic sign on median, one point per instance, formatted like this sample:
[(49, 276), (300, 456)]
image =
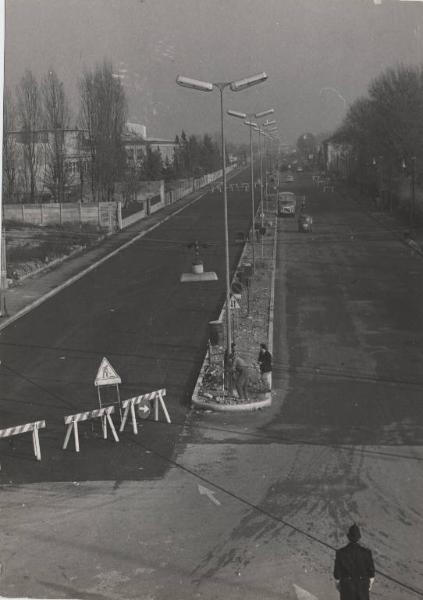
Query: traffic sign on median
[(233, 303)]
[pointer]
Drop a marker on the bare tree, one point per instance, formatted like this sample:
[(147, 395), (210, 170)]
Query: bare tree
[(103, 115), (9, 145), (29, 117), (56, 115)]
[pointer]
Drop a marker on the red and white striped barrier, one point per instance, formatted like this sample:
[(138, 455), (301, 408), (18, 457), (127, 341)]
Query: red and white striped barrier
[(34, 427), (103, 413), (144, 401)]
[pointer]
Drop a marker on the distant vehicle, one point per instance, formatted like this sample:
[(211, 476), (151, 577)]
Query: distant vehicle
[(289, 178), (287, 204), (305, 223), (299, 169)]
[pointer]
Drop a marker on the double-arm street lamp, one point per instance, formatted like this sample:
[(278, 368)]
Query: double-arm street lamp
[(251, 125), (264, 134), (235, 86)]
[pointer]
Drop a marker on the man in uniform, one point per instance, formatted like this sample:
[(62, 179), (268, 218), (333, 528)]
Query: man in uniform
[(354, 570)]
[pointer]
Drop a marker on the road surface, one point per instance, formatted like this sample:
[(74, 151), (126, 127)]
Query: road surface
[(252, 506)]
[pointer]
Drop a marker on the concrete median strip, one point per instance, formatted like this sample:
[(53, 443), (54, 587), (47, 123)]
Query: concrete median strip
[(201, 397)]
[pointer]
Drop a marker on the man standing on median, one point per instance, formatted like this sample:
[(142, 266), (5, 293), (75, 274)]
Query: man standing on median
[(354, 570), (265, 364)]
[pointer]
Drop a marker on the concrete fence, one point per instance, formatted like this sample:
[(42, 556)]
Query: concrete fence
[(108, 215), (105, 215)]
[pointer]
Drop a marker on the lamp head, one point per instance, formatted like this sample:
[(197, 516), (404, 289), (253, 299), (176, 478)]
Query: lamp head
[(194, 84), (235, 113), (242, 84), (264, 113)]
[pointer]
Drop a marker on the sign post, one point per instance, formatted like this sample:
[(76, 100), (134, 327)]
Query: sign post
[(106, 375)]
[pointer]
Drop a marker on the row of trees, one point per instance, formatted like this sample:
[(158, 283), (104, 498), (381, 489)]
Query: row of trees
[(37, 106), (34, 139), (40, 112), (385, 128)]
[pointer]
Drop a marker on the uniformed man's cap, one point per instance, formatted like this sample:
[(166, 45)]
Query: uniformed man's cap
[(354, 533)]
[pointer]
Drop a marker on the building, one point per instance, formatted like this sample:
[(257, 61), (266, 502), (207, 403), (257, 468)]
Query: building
[(136, 142), (74, 145), (76, 161)]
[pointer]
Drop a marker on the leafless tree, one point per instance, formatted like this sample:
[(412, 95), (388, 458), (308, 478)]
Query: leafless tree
[(56, 116), (29, 119), (9, 145), (103, 115)]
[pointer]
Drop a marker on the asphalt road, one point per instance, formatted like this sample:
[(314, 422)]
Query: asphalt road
[(134, 311), (253, 505)]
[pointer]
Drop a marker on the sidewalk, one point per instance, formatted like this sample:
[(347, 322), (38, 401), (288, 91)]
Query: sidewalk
[(412, 237), (35, 289), (250, 328)]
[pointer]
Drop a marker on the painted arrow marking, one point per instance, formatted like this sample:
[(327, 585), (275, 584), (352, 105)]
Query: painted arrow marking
[(303, 594), (210, 495)]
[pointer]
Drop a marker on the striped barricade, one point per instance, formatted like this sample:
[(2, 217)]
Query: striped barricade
[(143, 403), (34, 427), (103, 413)]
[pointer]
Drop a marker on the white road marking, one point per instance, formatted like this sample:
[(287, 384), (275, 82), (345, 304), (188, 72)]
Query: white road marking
[(206, 492), (302, 594)]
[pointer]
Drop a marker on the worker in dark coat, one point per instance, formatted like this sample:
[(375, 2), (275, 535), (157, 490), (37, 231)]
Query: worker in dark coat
[(354, 569)]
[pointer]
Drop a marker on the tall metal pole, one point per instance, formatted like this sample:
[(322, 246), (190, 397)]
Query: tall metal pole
[(261, 193), (253, 208), (225, 205)]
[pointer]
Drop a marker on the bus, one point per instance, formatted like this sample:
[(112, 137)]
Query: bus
[(287, 204)]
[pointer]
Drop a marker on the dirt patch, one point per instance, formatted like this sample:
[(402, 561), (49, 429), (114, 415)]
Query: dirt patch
[(31, 249)]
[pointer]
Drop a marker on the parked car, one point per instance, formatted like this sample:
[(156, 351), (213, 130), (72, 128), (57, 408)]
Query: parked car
[(305, 223)]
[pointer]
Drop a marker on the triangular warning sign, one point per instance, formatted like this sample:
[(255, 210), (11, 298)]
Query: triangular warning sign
[(106, 375)]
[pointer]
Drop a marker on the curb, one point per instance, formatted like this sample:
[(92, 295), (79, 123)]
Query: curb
[(244, 407), (94, 265), (272, 288)]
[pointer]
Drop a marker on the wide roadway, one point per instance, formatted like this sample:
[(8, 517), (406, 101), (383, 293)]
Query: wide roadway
[(255, 504), (134, 311)]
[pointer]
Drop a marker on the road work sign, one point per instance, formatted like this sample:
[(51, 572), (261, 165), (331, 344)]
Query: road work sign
[(106, 375)]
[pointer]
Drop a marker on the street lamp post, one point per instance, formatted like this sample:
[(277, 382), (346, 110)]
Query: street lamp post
[(251, 125), (235, 86), (269, 129)]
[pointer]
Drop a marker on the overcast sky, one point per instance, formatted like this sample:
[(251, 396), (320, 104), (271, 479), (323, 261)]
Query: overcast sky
[(304, 46)]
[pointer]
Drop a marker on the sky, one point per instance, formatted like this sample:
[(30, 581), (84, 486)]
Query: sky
[(319, 55)]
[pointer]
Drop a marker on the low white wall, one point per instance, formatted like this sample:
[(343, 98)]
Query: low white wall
[(176, 190)]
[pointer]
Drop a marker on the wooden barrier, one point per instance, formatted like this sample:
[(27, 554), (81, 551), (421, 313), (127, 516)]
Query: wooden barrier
[(34, 427), (144, 399), (72, 424)]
